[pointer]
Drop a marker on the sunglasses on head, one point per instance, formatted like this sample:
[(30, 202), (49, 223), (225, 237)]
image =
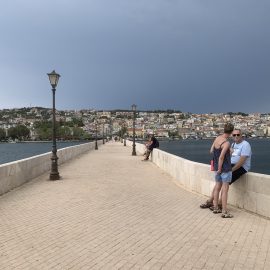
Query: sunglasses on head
[(236, 135)]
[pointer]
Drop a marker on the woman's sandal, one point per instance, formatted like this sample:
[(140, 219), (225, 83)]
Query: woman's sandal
[(206, 205), (212, 207), (217, 211), (226, 215)]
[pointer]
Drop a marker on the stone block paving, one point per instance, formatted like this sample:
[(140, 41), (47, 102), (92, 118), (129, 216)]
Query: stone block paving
[(112, 211)]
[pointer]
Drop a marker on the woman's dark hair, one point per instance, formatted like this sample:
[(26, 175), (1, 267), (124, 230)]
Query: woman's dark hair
[(228, 128)]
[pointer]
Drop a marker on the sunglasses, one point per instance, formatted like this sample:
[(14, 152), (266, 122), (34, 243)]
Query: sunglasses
[(236, 135)]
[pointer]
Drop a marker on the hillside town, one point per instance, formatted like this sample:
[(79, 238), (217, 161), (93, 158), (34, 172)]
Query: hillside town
[(34, 123)]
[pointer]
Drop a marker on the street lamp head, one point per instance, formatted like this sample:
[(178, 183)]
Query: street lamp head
[(53, 77), (133, 107)]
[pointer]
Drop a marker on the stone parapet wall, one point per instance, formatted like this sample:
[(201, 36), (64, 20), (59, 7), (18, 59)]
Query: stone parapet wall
[(16, 173), (251, 192)]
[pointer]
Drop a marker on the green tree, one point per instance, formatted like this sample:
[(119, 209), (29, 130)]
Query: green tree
[(122, 131), (87, 136), (2, 134), (23, 132), (44, 130), (44, 134), (77, 133), (20, 132), (64, 133), (43, 124), (76, 122), (12, 133)]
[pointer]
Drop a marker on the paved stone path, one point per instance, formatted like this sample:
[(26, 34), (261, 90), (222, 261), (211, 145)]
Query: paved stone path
[(112, 211)]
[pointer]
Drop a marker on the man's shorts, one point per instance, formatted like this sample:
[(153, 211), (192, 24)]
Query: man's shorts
[(225, 177), (236, 174)]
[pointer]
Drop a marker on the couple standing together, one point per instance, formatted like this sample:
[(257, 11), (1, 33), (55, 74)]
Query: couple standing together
[(230, 162)]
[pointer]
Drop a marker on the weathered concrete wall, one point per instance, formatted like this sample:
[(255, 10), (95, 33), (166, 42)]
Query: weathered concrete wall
[(251, 192), (16, 173)]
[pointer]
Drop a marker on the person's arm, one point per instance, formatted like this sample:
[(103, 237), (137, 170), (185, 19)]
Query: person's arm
[(212, 148), (239, 163), (225, 148), (150, 145), (245, 153)]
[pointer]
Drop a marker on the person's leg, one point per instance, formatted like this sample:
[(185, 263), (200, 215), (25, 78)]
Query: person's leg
[(145, 151), (226, 178), (224, 196), (211, 199), (209, 202), (216, 191), (220, 197), (147, 154), (237, 174), (219, 200)]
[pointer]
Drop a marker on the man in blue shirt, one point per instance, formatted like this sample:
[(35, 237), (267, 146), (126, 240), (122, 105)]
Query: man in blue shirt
[(240, 155)]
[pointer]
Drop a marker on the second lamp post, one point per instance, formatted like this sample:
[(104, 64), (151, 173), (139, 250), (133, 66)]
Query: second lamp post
[(103, 139), (54, 174), (133, 107), (96, 143)]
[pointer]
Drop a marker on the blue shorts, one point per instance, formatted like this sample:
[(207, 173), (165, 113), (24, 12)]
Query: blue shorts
[(225, 177)]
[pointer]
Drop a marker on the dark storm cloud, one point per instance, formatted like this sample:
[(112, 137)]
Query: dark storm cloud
[(198, 56)]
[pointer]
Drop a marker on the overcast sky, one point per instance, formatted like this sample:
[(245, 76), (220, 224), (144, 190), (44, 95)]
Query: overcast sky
[(191, 55)]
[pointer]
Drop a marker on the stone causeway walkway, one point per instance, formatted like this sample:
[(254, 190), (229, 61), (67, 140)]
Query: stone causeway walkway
[(112, 211)]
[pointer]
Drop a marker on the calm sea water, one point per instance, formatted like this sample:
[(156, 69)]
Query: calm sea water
[(195, 150), (198, 150), (15, 151)]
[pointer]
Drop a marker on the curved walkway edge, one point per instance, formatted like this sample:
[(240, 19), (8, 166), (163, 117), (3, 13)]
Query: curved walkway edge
[(112, 211)]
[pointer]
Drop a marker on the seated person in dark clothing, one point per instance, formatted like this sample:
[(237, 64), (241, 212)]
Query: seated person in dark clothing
[(152, 144)]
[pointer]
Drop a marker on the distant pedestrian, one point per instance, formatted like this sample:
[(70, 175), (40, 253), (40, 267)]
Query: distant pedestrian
[(153, 143)]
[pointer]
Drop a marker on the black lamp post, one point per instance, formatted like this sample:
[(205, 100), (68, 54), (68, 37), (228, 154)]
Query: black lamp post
[(133, 107), (124, 135), (54, 174), (96, 144), (121, 133), (103, 139)]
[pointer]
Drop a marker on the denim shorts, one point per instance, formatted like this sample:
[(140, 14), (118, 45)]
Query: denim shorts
[(225, 177)]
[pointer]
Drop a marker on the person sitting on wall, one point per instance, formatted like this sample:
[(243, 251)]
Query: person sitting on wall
[(147, 143), (153, 143), (240, 162)]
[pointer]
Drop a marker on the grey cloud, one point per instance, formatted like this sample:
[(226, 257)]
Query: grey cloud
[(197, 56)]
